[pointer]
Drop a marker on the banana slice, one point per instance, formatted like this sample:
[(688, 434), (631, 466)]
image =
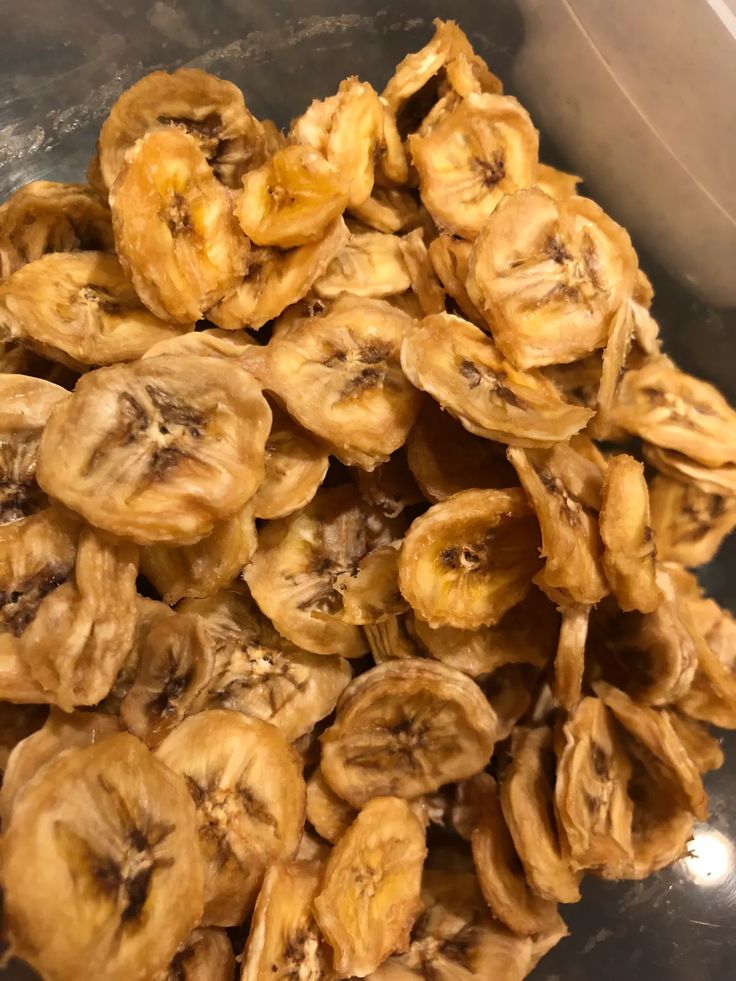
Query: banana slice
[(79, 309), (549, 275), (370, 592), (329, 815), (570, 655), (389, 209), (248, 789), (175, 233), (159, 450), (278, 278), (564, 488), (369, 896), (391, 639), (711, 480), (424, 281), (702, 748), (206, 955), (556, 183), (406, 727), (470, 559), (107, 836), (476, 151), (390, 487), (284, 941), (613, 367), (211, 343), (45, 216), (450, 258), (207, 108), (526, 798), (339, 375), (460, 367), (371, 264)]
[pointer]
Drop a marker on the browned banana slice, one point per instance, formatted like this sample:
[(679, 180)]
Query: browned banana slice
[(79, 309), (469, 559), (339, 376), (390, 639), (390, 487), (291, 199), (591, 789), (406, 727), (689, 524), (206, 955), (564, 488), (371, 264), (711, 480), (526, 797), (460, 367), (329, 815), (107, 835), (299, 558), (480, 149), (570, 655), (209, 109), (175, 232), (159, 450), (675, 411), (389, 209), (450, 257), (44, 216), (278, 278), (548, 275), (248, 789), (369, 896), (556, 183), (703, 749), (284, 941), (424, 281)]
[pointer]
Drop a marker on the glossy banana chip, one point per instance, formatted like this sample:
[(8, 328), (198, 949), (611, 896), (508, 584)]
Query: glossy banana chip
[(406, 727), (371, 264), (390, 487), (462, 369), (329, 815), (549, 275), (450, 258), (248, 790), (689, 523), (206, 955), (107, 835), (159, 450), (711, 480)]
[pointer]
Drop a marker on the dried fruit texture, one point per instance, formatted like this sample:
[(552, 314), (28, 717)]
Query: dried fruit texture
[(391, 640), (209, 343), (79, 309), (564, 488), (44, 216), (278, 278), (424, 281), (107, 835), (369, 896), (206, 955), (248, 789), (370, 264), (450, 257), (527, 792), (613, 368), (390, 487), (17, 684), (329, 815), (461, 368), (17, 723), (291, 199), (556, 183), (406, 727), (389, 209), (677, 412), (208, 109), (284, 941), (469, 154), (549, 275), (702, 748), (338, 374), (159, 450), (570, 655), (175, 233), (370, 592), (712, 480), (689, 523)]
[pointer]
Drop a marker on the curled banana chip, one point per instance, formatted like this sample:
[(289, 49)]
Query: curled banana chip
[(44, 216), (107, 835), (79, 309), (248, 789), (329, 815), (206, 955), (556, 183), (389, 209), (549, 275), (369, 896), (460, 367), (424, 281), (239, 347), (370, 592), (390, 487), (570, 655), (613, 367), (470, 559), (450, 258), (338, 374), (371, 264), (406, 727), (702, 748), (689, 523), (391, 639), (711, 480), (174, 229), (159, 450)]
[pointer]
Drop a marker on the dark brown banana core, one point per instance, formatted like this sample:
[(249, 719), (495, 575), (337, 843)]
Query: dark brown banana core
[(476, 375)]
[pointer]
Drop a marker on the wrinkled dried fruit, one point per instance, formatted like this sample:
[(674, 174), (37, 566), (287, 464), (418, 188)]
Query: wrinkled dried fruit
[(329, 815), (450, 257), (389, 209), (370, 264), (689, 523), (712, 480), (206, 955), (424, 281), (390, 487), (570, 655), (390, 639), (702, 748), (369, 593)]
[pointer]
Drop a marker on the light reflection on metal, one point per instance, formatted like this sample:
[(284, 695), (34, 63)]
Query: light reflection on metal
[(711, 858)]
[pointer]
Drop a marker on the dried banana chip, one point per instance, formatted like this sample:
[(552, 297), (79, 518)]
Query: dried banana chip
[(424, 281), (450, 257), (44, 216), (248, 789), (389, 209), (570, 655), (549, 275), (369, 896), (339, 375), (613, 367), (159, 450), (238, 347), (329, 815), (711, 480), (206, 955), (689, 523), (476, 151), (390, 487), (209, 109), (390, 639), (175, 232), (406, 727), (460, 367), (556, 183), (79, 309), (106, 835), (370, 264), (702, 748), (369, 593)]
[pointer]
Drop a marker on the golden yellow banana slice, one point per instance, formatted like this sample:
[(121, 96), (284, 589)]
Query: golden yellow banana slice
[(557, 183), (107, 836), (570, 655), (389, 209), (470, 559), (450, 257), (369, 895), (159, 450), (703, 748), (406, 727), (460, 367), (689, 523), (329, 815), (371, 264), (248, 790), (549, 275), (711, 480), (390, 487), (175, 232), (206, 955)]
